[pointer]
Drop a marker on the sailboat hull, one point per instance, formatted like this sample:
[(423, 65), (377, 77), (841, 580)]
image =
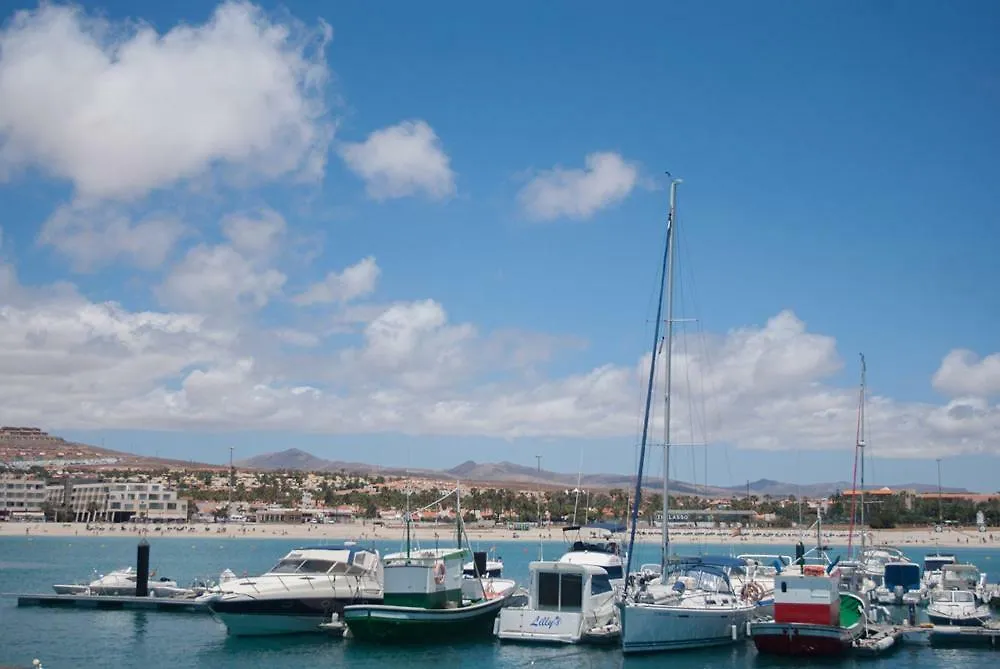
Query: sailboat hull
[(651, 627)]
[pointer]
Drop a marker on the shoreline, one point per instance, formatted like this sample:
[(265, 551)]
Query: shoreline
[(361, 532)]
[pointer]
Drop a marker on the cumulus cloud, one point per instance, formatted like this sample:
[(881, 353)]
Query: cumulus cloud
[(93, 237), (69, 362), (962, 372), (402, 160), (355, 281), (255, 234), (119, 110), (605, 180), (213, 279)]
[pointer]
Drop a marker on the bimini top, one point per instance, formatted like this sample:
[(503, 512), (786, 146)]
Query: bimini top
[(613, 527), (721, 561)]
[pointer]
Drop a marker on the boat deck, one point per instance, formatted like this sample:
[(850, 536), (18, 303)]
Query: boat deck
[(108, 602)]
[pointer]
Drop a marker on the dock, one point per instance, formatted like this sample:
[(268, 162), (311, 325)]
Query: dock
[(111, 603), (946, 635)]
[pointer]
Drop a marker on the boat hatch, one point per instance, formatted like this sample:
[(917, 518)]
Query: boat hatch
[(560, 592)]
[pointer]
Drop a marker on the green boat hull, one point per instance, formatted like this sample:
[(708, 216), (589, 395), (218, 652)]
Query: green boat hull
[(378, 622)]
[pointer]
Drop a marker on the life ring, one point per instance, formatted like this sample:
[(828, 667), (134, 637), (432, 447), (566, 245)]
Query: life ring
[(439, 572), (752, 591)]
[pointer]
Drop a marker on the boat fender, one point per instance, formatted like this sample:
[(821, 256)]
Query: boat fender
[(439, 572), (733, 630)]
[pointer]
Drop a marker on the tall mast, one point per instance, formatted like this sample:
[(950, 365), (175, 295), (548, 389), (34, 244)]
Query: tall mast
[(668, 366), (458, 511), (408, 519), (861, 443), (637, 500)]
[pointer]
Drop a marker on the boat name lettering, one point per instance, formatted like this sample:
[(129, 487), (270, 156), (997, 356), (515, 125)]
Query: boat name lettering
[(548, 622)]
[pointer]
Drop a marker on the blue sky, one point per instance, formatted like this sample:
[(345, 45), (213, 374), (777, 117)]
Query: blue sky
[(838, 162)]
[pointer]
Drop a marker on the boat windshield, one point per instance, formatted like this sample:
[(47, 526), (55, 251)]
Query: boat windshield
[(957, 596), (699, 577), (299, 566)]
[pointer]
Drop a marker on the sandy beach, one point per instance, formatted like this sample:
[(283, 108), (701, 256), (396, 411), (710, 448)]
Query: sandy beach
[(479, 535)]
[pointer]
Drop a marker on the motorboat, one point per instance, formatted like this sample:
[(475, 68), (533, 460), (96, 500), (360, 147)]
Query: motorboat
[(118, 583), (934, 563), (599, 547), (957, 607), (304, 590), (567, 604), (963, 577), (199, 588), (901, 584), (487, 566), (427, 599)]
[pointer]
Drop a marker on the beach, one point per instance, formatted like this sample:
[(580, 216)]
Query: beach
[(359, 531)]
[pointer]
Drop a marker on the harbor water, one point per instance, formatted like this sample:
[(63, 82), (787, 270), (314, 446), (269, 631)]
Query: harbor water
[(79, 639)]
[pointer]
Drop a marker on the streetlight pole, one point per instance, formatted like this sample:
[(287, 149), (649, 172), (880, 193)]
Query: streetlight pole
[(940, 514), (232, 476)]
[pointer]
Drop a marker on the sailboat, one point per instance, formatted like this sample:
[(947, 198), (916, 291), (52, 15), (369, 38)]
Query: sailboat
[(426, 598), (689, 603)]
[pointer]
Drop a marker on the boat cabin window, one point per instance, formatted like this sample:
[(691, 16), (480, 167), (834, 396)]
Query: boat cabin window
[(963, 597), (286, 567), (315, 567), (599, 584), (560, 592)]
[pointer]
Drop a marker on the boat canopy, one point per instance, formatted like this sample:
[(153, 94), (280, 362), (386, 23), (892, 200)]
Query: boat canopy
[(613, 527)]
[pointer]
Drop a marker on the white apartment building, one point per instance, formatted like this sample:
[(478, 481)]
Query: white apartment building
[(20, 496), (153, 501), (94, 501)]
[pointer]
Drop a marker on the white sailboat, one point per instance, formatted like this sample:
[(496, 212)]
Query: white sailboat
[(688, 603)]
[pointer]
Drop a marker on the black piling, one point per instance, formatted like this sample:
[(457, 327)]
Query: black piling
[(479, 558), (142, 570)]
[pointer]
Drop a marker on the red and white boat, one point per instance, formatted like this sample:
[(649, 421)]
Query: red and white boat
[(811, 615)]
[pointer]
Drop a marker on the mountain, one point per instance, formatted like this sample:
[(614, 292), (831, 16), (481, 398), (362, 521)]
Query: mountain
[(292, 458), (509, 472)]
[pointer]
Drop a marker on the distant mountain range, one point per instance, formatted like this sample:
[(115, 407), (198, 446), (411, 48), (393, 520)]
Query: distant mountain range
[(508, 472)]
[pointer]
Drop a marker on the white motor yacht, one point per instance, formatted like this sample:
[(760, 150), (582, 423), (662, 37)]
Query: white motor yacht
[(956, 607), (301, 592), (597, 545), (118, 583), (567, 603)]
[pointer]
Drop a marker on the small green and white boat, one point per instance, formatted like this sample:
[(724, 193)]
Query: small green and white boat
[(426, 599)]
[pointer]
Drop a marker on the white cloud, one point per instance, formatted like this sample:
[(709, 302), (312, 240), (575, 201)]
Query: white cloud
[(402, 160), (255, 235), (92, 237), (120, 110), (962, 372), (606, 179), (78, 364), (297, 337), (214, 279), (355, 281)]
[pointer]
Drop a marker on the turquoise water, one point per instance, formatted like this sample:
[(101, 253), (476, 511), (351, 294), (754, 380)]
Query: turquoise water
[(126, 639)]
